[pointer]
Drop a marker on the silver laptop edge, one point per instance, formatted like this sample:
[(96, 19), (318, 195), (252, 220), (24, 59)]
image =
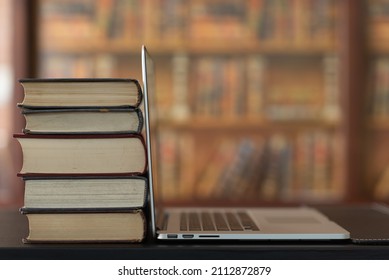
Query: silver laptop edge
[(148, 140)]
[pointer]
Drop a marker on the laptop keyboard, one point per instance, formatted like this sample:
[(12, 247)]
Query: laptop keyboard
[(216, 221)]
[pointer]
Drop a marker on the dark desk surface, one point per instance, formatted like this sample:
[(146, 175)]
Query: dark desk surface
[(361, 221)]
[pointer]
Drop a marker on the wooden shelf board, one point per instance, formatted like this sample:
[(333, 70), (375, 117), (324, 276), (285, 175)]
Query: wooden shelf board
[(133, 47), (246, 124)]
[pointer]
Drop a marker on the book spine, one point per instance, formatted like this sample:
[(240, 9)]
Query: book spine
[(180, 108)]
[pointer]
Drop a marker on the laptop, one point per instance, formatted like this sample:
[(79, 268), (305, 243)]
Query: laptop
[(211, 223)]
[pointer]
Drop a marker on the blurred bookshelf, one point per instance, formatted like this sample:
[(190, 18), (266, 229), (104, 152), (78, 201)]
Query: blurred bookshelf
[(377, 109), (252, 95)]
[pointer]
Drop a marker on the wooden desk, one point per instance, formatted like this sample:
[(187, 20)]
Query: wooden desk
[(358, 219)]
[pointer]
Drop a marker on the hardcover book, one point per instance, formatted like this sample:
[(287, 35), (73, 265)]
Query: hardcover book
[(91, 120), (81, 192), (83, 154), (84, 93), (103, 225)]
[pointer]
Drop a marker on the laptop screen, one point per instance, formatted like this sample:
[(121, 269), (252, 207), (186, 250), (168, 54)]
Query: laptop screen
[(150, 112)]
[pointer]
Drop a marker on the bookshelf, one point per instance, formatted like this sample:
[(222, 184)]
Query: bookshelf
[(267, 92), (377, 157)]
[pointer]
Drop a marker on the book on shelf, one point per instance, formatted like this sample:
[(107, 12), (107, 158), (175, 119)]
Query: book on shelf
[(211, 173), (186, 152), (86, 120), (381, 190), (83, 192), (180, 107), (379, 100), (219, 87), (82, 92), (169, 156), (331, 110), (255, 96), (177, 166), (94, 225), (172, 19), (82, 153), (276, 182), (378, 23)]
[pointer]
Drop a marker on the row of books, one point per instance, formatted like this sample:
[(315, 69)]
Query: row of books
[(278, 167), (273, 21), (256, 87), (91, 20), (303, 21), (378, 21), (84, 160)]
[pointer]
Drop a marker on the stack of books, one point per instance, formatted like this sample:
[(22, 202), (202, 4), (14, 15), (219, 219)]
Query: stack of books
[(83, 160)]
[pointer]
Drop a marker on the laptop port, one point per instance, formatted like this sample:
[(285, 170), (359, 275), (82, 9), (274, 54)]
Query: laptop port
[(209, 236), (187, 236), (172, 236)]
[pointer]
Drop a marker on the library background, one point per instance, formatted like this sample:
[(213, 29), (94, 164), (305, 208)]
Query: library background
[(260, 101)]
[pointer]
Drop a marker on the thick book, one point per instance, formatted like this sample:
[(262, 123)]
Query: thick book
[(83, 154), (85, 120), (81, 192), (84, 93), (91, 225)]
